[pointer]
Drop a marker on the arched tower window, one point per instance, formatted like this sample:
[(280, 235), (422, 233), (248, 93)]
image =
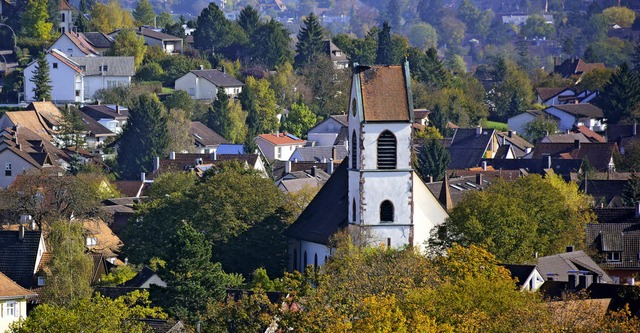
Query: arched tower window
[(304, 261), (353, 211), (354, 151), (386, 211), (387, 150)]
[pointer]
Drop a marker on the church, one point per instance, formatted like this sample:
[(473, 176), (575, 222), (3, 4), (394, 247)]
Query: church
[(375, 191)]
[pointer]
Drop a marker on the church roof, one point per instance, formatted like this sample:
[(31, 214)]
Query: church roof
[(327, 212), (384, 93)]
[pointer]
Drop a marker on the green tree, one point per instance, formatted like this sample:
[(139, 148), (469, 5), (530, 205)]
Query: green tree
[(514, 220), (249, 19), (143, 14), (35, 20), (253, 312), (299, 120), (511, 95), (310, 40), (127, 43), (620, 95), (622, 16), (165, 20), (423, 36), (631, 191), (429, 69), (631, 157), (432, 160), (635, 58), (214, 30), (430, 11), (270, 44), (259, 100), (384, 53), (110, 16), (595, 80), (218, 115), (325, 81), (170, 183), (178, 130), (97, 314), (71, 267), (537, 26), (119, 275), (611, 51), (143, 138), (41, 79), (539, 128), (193, 281)]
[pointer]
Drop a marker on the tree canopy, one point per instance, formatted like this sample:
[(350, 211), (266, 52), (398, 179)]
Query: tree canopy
[(41, 79), (310, 40)]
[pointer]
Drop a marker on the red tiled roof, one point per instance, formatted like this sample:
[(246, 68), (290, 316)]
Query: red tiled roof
[(66, 61), (81, 43), (8, 288), (281, 139), (384, 93), (64, 5), (585, 67), (590, 134)]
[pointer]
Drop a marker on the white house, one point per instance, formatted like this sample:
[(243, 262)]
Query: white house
[(66, 79), (168, 43), (326, 132), (65, 17), (528, 276), (205, 139), (204, 84), (74, 44), (517, 123), (278, 146), (374, 193), (104, 73), (13, 302), (113, 117), (571, 115)]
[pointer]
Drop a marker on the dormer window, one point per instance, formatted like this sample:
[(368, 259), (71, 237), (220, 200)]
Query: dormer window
[(92, 241), (104, 68), (387, 151)]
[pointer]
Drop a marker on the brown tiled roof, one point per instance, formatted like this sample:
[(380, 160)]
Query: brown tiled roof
[(598, 154), (281, 139), (81, 43), (420, 113), (30, 121), (204, 135), (48, 110), (107, 241), (585, 67), (57, 54), (548, 93), (64, 5), (9, 289), (384, 93), (574, 66), (129, 188), (593, 136)]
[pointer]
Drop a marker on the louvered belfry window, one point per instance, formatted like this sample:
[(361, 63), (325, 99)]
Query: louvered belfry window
[(354, 151), (387, 151), (386, 211)]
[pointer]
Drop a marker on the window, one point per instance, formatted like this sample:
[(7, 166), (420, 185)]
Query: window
[(40, 281), (613, 256), (92, 241), (295, 260), (78, 93), (104, 68), (354, 151), (353, 211), (11, 309), (62, 17), (55, 65), (315, 261), (279, 152), (7, 169), (192, 91), (387, 151), (386, 211)]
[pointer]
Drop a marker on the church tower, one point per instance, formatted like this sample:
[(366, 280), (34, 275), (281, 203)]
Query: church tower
[(380, 174)]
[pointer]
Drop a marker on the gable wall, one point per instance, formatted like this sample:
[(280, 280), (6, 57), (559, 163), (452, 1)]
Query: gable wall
[(66, 46), (518, 122), (18, 166), (64, 82)]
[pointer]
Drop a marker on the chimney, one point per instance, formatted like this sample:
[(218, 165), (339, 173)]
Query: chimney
[(635, 130), (201, 67), (214, 155), (313, 171), (118, 109), (430, 179), (479, 178), (576, 144), (484, 165), (156, 163), (479, 130), (287, 167), (330, 166), (569, 248), (334, 153), (143, 177), (637, 208), (511, 133), (21, 232), (172, 155)]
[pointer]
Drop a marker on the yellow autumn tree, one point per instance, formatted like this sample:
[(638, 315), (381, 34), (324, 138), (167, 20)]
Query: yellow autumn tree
[(110, 16), (35, 20)]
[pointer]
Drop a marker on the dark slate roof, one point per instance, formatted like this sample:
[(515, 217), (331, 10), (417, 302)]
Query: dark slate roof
[(515, 140), (143, 276), (164, 326), (598, 154), (342, 137), (218, 78), (616, 215), (537, 165), (559, 264), (616, 132), (327, 212), (548, 93), (575, 66), (620, 295), (334, 52), (520, 272), (467, 148), (607, 192), (581, 110), (341, 118), (103, 111), (98, 39), (459, 187), (94, 126), (320, 154), (204, 136), (156, 34), (115, 292), (18, 257), (115, 66)]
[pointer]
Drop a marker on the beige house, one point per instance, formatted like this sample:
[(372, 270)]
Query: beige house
[(13, 302)]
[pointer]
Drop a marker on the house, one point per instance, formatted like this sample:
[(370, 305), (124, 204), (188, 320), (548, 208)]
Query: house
[(204, 84), (451, 190), (111, 116), (573, 267), (519, 20), (528, 277), (574, 68), (104, 73), (374, 193), (421, 116), (549, 96), (75, 80), (99, 41), (571, 115), (65, 17), (519, 145), (569, 137), (622, 134), (284, 169), (278, 146), (199, 163), (205, 139), (470, 145), (518, 122), (13, 302), (27, 120), (566, 168), (74, 44), (298, 178), (339, 58), (100, 239), (326, 132), (96, 135), (21, 252), (145, 278), (319, 154), (599, 155), (616, 240), (606, 193), (169, 44)]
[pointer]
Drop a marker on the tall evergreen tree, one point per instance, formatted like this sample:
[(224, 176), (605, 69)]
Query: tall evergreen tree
[(384, 56), (635, 58), (620, 95), (218, 114), (310, 40), (631, 191), (42, 90), (432, 160), (249, 19), (144, 137), (143, 13), (270, 44), (82, 23), (214, 30)]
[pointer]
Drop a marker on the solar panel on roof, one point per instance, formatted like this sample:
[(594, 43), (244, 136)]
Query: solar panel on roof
[(293, 136)]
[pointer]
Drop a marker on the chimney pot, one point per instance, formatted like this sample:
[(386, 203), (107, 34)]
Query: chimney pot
[(118, 109), (201, 67), (484, 165), (511, 133), (21, 232), (430, 179), (576, 144), (479, 130), (635, 128), (334, 153), (330, 166), (143, 177), (287, 167), (637, 208), (479, 178), (313, 171), (156, 164)]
